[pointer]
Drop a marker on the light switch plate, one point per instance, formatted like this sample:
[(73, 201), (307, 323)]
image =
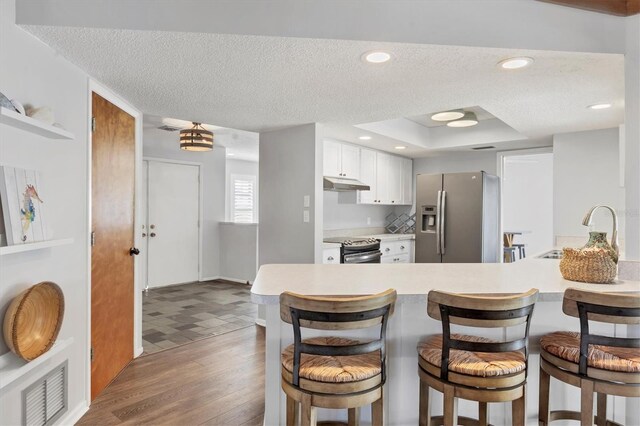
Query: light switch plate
[(307, 201), (305, 216)]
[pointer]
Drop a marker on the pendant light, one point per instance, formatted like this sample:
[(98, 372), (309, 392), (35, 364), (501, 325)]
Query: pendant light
[(196, 138)]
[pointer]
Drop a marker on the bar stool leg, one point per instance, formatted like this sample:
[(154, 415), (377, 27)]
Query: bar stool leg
[(354, 416), (518, 409), (377, 410), (586, 403), (308, 412), (292, 411), (425, 408), (483, 414), (543, 400), (450, 406), (601, 411)]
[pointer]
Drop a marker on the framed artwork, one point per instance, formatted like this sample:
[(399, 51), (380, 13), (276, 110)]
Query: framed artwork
[(22, 205)]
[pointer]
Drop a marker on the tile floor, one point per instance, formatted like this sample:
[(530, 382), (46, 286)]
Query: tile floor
[(176, 315)]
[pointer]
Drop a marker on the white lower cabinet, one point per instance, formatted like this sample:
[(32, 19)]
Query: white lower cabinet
[(397, 251), (331, 256)]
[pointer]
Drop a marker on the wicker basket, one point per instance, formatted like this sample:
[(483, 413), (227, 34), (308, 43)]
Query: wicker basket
[(593, 265), (33, 320)]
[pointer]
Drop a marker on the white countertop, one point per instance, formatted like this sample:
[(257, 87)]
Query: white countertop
[(382, 237), (413, 281)]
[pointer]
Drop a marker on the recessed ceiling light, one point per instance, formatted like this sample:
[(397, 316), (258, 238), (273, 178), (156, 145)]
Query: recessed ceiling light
[(448, 115), (469, 119), (599, 106), (515, 63), (401, 147), (364, 138), (376, 57)]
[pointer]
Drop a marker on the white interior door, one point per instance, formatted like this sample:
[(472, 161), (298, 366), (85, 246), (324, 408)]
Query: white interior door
[(173, 228)]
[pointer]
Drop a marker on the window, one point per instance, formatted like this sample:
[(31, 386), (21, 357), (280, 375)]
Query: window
[(243, 199)]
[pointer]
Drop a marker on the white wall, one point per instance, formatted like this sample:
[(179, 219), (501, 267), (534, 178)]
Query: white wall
[(239, 167), (527, 200), (290, 168), (631, 153), (162, 144), (239, 257), (32, 73), (586, 173), (457, 162), (340, 214)]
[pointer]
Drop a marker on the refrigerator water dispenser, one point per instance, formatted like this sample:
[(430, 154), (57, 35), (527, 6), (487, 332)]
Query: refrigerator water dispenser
[(428, 219)]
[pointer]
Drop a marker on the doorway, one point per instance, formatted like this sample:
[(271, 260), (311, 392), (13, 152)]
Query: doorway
[(171, 232), (527, 202), (113, 144)]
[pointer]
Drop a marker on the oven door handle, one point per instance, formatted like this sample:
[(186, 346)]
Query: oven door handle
[(362, 257)]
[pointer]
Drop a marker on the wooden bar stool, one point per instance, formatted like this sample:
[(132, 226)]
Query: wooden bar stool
[(472, 367), (594, 363), (335, 372)]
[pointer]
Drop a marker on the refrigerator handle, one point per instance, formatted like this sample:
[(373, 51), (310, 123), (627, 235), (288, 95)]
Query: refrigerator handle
[(443, 204), (438, 218)]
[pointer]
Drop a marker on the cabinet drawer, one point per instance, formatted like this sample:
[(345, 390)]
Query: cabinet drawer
[(330, 256), (395, 258), (389, 248)]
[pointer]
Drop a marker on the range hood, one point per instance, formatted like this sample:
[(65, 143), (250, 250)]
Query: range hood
[(344, 184)]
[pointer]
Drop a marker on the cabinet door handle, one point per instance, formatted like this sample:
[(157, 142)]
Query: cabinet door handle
[(330, 258), (401, 247), (387, 249)]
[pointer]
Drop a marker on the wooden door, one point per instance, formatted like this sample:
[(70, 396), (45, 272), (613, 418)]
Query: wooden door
[(112, 204), (173, 232)]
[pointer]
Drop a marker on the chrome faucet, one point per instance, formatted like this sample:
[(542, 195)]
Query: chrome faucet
[(614, 235)]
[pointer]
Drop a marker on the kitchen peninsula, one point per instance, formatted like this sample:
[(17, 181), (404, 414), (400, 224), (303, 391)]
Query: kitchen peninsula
[(410, 322)]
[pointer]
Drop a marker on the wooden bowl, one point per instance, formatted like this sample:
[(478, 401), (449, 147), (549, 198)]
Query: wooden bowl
[(33, 320)]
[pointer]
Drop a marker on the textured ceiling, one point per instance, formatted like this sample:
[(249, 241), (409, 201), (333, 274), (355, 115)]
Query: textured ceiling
[(258, 83)]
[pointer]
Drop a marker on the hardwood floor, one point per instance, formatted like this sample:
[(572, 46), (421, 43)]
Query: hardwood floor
[(214, 381)]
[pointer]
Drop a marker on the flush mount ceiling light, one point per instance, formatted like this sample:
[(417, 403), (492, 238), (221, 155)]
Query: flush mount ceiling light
[(230, 154), (364, 138), (401, 147), (468, 119), (376, 57), (448, 115), (196, 138), (515, 63), (599, 106)]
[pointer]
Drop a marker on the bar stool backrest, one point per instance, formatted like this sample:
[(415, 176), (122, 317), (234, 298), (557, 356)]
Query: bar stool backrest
[(613, 308), (481, 312), (337, 313)]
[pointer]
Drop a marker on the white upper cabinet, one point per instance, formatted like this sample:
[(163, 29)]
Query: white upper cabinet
[(367, 176), (350, 157), (341, 160), (383, 165), (395, 180), (407, 181), (331, 159)]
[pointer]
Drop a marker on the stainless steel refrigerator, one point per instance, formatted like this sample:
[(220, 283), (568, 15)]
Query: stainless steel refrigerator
[(458, 218)]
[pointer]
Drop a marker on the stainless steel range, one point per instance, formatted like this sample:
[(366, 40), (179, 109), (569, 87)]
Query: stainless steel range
[(357, 250)]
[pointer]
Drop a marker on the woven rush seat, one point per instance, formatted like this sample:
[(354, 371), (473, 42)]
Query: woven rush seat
[(334, 369), (482, 364), (566, 345)]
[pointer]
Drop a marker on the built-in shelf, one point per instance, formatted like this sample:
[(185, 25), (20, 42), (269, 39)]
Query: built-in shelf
[(32, 125), (18, 248), (13, 367)]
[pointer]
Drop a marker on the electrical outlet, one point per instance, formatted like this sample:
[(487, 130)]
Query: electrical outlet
[(305, 216), (368, 221)]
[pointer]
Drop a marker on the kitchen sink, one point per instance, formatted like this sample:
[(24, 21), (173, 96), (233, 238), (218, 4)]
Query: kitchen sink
[(552, 254)]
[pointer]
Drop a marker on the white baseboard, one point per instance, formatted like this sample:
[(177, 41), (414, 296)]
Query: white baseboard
[(235, 280), (138, 351), (74, 415)]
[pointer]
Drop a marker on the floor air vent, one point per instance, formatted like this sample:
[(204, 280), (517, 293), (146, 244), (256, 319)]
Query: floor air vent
[(46, 400)]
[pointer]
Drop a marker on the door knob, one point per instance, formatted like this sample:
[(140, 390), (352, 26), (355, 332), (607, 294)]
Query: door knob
[(133, 251), (153, 234)]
